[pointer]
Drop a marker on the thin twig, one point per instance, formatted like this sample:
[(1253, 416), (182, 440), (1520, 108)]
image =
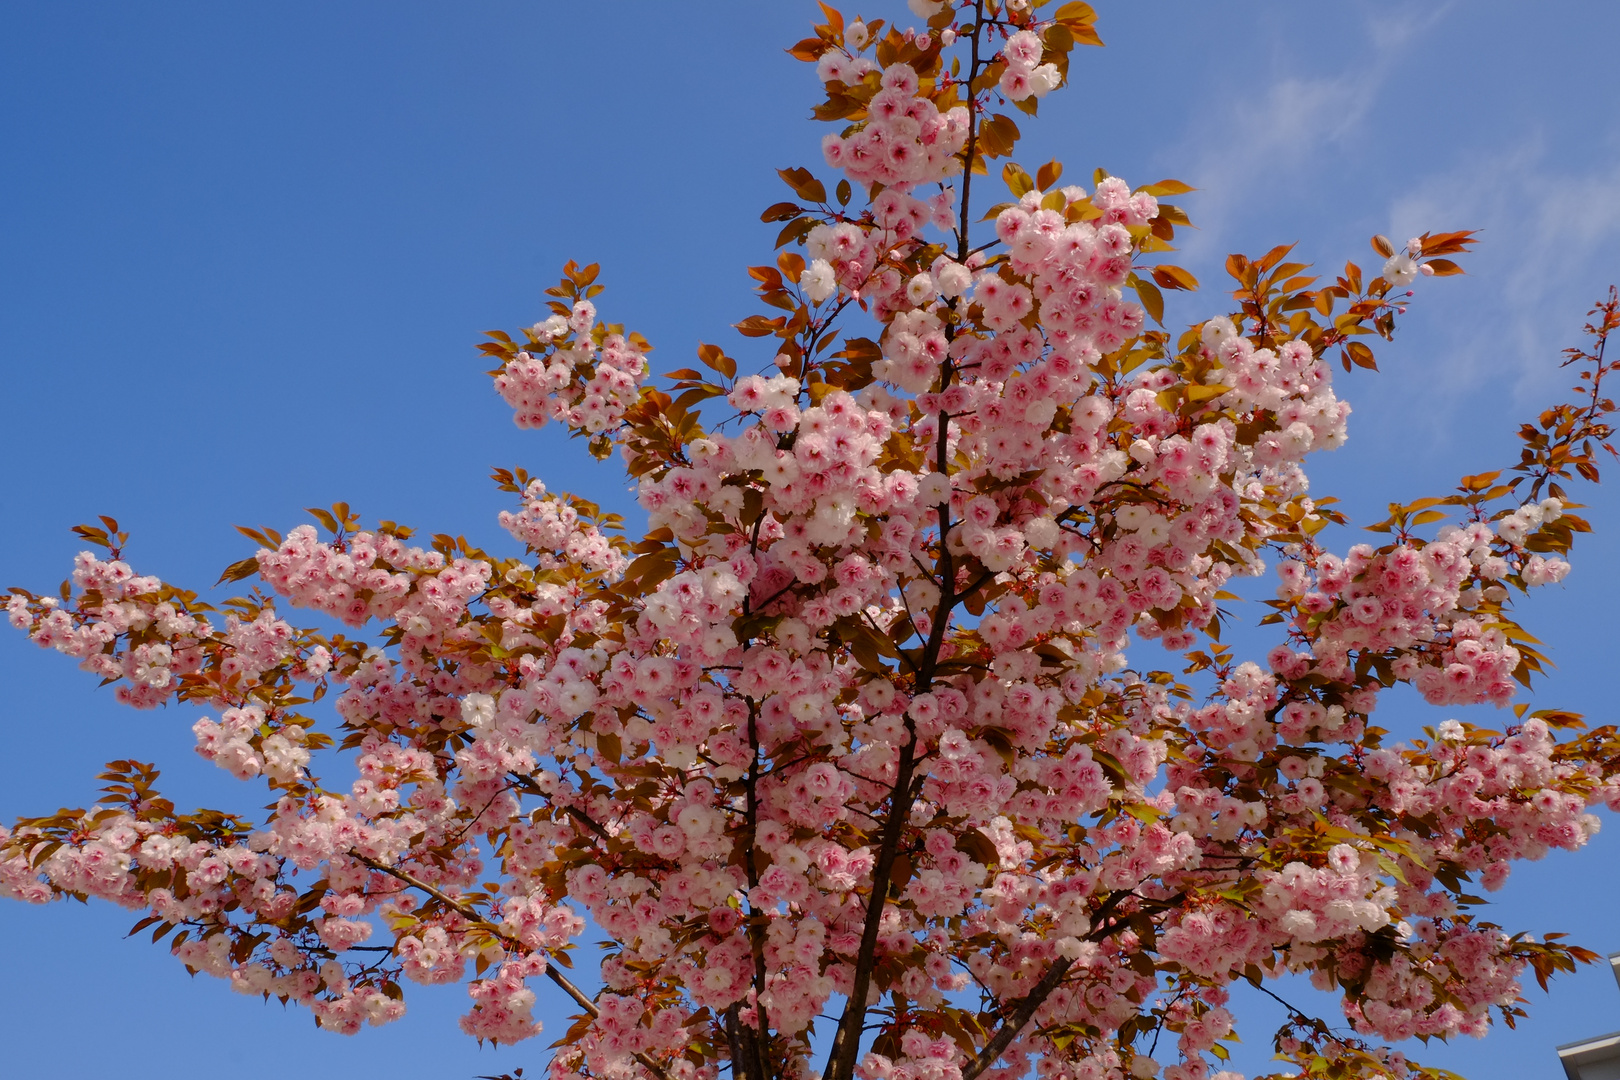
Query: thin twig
[(470, 913)]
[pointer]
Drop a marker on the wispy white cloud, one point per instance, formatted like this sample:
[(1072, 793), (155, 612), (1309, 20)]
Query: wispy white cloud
[(1288, 148), (1266, 139), (1549, 236), (1393, 30)]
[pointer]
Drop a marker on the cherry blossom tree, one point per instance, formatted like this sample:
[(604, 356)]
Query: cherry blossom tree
[(844, 759)]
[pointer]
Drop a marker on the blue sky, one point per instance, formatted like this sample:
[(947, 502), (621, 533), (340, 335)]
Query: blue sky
[(247, 251)]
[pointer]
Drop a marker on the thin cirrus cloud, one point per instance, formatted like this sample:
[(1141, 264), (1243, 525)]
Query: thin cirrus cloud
[(1249, 145), (1328, 146), (1551, 233)]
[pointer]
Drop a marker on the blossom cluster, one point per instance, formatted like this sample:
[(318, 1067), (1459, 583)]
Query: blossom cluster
[(1419, 601), (906, 138), (551, 528), (580, 374)]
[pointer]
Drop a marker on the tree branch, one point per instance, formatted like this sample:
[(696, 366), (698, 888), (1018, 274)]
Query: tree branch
[(470, 913), (1030, 1002), (1020, 1017), (760, 1039), (846, 1043)]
